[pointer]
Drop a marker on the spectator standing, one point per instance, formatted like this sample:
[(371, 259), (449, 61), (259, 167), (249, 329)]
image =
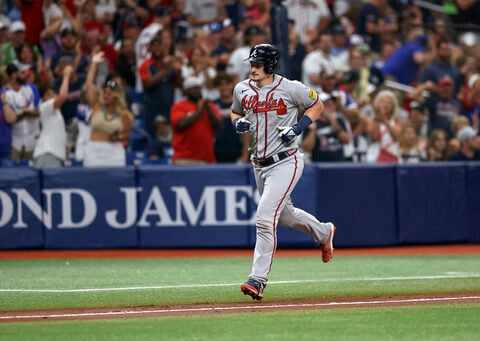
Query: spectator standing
[(179, 20), (296, 52), (325, 138), (229, 146), (28, 60), (385, 128), (318, 60), (7, 118), (469, 146), (372, 23), (110, 121), (69, 107), (204, 12), (310, 16), (70, 47), (22, 100), (226, 46), (159, 74), (194, 121), (160, 20), (17, 40), (51, 147), (31, 11), (200, 65), (437, 146), (404, 63), (442, 66), (126, 65), (339, 49), (54, 16), (252, 36), (442, 106)]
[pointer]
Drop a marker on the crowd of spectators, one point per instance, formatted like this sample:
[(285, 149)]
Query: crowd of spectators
[(86, 81)]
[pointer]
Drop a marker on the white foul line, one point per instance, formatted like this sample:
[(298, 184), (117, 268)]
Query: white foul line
[(187, 286), (237, 308)]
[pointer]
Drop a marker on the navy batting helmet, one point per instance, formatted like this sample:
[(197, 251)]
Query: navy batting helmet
[(266, 54)]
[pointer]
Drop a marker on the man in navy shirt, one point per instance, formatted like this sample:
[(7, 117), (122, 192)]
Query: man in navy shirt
[(442, 66), (229, 146), (469, 145), (370, 25), (442, 106)]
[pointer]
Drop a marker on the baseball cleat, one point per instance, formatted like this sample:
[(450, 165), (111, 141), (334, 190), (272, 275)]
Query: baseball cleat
[(327, 247), (253, 288)]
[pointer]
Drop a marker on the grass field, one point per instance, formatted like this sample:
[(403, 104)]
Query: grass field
[(95, 283)]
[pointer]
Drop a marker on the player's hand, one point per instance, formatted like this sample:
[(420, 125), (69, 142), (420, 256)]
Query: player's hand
[(242, 125), (287, 134)]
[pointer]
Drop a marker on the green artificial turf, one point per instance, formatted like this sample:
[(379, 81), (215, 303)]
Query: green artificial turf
[(435, 322), (146, 282)]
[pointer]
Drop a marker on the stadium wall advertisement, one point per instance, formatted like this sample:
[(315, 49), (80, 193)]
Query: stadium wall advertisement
[(214, 206)]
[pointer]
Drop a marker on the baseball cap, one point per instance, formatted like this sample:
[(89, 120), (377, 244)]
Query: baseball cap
[(4, 23), (356, 39), (17, 26), (66, 28), (338, 29), (445, 80), (327, 73), (252, 30), (466, 133), (415, 105), (469, 39), (192, 82)]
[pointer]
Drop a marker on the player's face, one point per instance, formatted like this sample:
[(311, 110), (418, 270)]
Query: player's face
[(257, 72)]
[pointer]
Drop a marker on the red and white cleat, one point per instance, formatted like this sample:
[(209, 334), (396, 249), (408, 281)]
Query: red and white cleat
[(327, 247)]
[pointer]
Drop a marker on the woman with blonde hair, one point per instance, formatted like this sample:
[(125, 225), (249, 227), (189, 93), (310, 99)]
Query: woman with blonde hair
[(110, 121), (384, 129)]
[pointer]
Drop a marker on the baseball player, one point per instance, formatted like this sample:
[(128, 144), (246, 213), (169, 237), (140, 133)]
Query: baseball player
[(268, 107)]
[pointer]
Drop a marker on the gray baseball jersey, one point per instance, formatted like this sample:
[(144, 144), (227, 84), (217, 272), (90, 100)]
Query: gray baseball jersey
[(277, 104), (268, 107)]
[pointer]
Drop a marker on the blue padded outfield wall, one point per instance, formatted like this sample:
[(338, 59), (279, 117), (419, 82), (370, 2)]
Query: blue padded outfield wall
[(214, 206)]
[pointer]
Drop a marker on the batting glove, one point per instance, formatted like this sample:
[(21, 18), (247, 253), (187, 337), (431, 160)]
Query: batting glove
[(242, 125), (287, 134)]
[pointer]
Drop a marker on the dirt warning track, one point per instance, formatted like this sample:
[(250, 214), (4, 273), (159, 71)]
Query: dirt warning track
[(201, 309)]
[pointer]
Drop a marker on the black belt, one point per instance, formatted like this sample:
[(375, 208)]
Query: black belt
[(272, 159)]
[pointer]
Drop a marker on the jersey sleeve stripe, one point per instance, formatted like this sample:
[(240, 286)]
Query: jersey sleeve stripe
[(315, 102)]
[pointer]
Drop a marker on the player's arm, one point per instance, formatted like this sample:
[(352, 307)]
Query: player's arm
[(235, 115), (313, 112), (239, 121)]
